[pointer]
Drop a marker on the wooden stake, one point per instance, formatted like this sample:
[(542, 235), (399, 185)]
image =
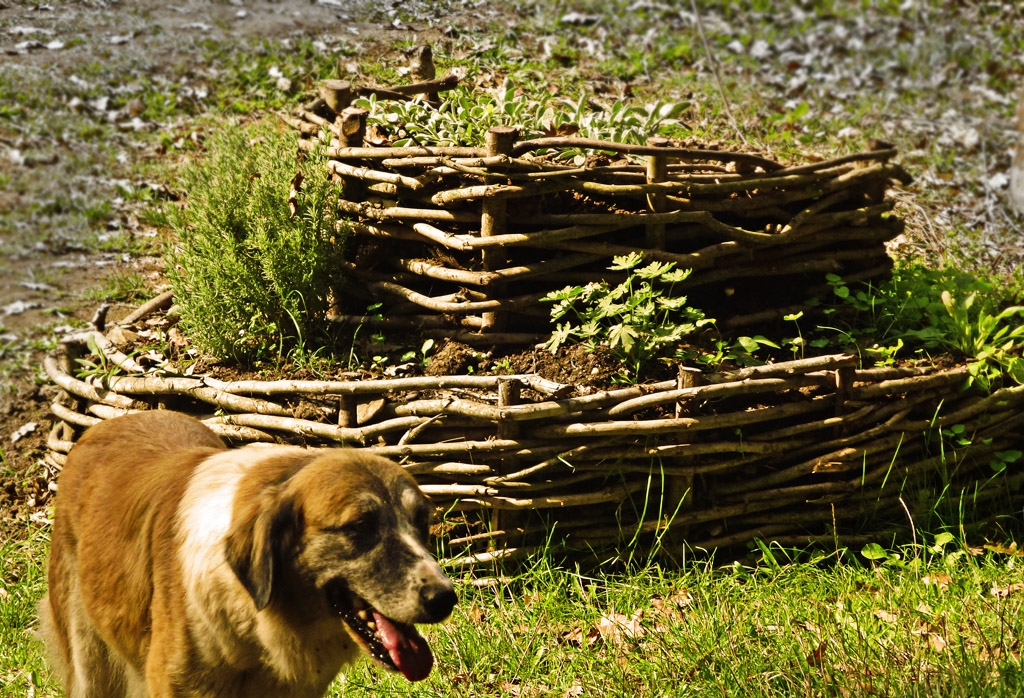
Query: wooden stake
[(509, 391), (347, 410), (844, 382), (680, 487), (337, 94), (351, 124), (657, 171), (500, 141)]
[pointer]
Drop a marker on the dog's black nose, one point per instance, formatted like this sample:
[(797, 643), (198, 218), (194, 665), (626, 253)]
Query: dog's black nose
[(438, 601)]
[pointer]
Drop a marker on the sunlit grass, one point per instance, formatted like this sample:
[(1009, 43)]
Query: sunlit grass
[(23, 670), (944, 623), (939, 620)]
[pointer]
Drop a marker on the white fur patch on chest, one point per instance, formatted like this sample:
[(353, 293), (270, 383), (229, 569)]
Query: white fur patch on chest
[(218, 605)]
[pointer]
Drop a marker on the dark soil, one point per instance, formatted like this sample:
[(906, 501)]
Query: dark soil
[(576, 365)]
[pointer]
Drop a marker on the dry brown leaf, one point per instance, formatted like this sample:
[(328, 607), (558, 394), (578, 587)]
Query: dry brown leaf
[(679, 598), (477, 615), (937, 642), (816, 657), (669, 608), (377, 136), (574, 691), (1004, 592), (562, 130), (120, 337), (885, 616), (616, 628), (293, 195), (810, 627), (939, 579), (1010, 549), (532, 598), (513, 689), (930, 632), (578, 638)]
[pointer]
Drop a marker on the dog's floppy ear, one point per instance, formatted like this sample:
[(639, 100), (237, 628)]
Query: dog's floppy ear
[(266, 530)]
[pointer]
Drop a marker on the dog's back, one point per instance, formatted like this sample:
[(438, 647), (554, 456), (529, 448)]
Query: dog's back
[(118, 494)]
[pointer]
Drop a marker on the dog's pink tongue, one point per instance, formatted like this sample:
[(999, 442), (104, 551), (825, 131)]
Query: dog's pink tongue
[(408, 650)]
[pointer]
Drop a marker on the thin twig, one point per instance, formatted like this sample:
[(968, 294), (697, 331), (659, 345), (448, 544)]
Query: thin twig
[(714, 71)]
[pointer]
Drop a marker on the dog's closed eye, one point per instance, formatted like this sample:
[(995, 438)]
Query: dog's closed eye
[(358, 523), (366, 524)]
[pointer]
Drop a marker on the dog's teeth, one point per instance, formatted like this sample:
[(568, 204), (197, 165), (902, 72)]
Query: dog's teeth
[(363, 615)]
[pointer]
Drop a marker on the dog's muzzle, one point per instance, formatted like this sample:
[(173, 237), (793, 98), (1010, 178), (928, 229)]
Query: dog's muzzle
[(396, 645)]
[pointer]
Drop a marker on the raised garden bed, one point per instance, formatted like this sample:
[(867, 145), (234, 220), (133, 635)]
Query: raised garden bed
[(463, 243), (795, 452)]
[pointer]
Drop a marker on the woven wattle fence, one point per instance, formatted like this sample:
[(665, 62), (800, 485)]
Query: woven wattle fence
[(463, 242), (795, 452)]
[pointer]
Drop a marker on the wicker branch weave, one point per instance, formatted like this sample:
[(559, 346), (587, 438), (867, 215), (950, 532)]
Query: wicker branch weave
[(463, 242), (787, 451)]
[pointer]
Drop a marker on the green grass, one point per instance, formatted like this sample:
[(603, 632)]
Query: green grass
[(945, 625), (119, 287), (22, 583), (941, 620)]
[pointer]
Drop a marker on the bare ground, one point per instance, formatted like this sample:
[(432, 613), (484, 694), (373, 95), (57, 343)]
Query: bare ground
[(72, 203)]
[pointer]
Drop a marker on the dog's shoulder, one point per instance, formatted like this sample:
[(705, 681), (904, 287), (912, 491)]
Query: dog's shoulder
[(217, 495)]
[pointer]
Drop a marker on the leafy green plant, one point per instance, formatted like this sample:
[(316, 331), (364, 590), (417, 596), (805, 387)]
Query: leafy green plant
[(254, 260), (876, 554), (987, 337), (1001, 460), (99, 368), (921, 309), (421, 356), (740, 350), (957, 435), (638, 319), (372, 311), (796, 344), (464, 116)]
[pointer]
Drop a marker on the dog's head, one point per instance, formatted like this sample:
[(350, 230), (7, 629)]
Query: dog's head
[(353, 528)]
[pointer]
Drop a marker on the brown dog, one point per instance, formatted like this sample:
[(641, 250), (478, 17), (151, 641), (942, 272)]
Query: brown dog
[(180, 568)]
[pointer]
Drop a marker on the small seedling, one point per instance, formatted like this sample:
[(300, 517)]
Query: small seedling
[(422, 357), (1003, 459), (638, 319), (796, 344)]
